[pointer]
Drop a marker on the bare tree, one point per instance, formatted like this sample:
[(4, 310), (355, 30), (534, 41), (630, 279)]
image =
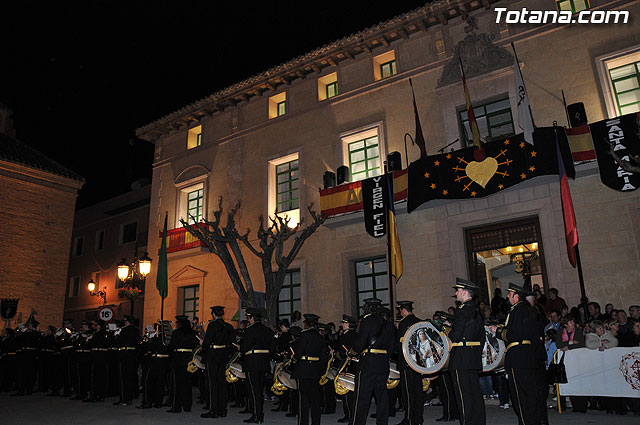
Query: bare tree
[(226, 243)]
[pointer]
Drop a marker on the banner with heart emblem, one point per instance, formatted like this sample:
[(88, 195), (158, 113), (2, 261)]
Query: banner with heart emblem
[(504, 163)]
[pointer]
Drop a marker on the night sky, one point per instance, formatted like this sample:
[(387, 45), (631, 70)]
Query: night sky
[(81, 76)]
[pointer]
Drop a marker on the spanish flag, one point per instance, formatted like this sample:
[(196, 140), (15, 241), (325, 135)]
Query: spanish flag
[(394, 241), (581, 143)]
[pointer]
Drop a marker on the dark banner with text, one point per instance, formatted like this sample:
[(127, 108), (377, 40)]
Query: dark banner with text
[(374, 205)]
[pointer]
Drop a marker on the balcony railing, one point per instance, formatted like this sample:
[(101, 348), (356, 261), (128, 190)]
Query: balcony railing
[(179, 239)]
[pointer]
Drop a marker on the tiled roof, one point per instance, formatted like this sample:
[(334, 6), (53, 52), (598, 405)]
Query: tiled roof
[(13, 150)]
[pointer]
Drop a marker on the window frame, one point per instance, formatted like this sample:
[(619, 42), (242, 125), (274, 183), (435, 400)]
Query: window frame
[(290, 181), (272, 187), (381, 60), (609, 61), (392, 69), (78, 241), (274, 104), (195, 299), (374, 290), (463, 110), (291, 300), (194, 137), (122, 226), (573, 6), (616, 94), (360, 134), (99, 234), (367, 171), (74, 290), (325, 83), (200, 205)]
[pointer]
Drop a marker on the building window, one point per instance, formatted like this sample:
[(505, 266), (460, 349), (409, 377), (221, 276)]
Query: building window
[(283, 188), (78, 246), (74, 286), (290, 299), (494, 121), (572, 5), (277, 105), (99, 240), (190, 296), (384, 65), (328, 86), (128, 232), (194, 205), (364, 158), (371, 281), (625, 80), (194, 137), (287, 193)]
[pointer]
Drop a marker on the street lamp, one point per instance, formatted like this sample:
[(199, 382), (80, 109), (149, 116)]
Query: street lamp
[(91, 286), (133, 275)]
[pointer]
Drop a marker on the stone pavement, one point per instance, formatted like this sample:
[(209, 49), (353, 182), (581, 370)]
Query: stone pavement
[(39, 409)]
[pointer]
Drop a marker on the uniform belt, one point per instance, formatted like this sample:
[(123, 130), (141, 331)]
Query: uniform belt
[(218, 347), (523, 342), (311, 359), (467, 343), (10, 354), (48, 350), (161, 356), (127, 348), (30, 348), (256, 352), (83, 351), (402, 339), (56, 352), (66, 347), (19, 350), (374, 351), (183, 350), (99, 349)]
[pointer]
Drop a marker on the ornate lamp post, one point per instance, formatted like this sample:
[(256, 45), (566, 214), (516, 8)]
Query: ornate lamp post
[(133, 274), (91, 286)]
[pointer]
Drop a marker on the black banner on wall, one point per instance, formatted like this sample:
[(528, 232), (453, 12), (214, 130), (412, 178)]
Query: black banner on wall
[(374, 205)]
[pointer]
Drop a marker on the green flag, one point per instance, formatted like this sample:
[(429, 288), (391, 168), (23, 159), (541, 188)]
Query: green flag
[(162, 278)]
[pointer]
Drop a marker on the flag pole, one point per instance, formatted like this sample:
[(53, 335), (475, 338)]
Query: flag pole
[(389, 259), (522, 78), (566, 111)]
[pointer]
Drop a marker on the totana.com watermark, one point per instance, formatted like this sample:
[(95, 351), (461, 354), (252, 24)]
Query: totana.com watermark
[(525, 16)]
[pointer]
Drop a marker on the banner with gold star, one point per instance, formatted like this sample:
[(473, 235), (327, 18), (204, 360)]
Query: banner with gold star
[(470, 173)]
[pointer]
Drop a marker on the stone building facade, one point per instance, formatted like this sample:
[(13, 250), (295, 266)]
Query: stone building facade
[(322, 110), (103, 235), (36, 217)]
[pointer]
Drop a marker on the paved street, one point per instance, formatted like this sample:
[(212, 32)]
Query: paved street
[(38, 409)]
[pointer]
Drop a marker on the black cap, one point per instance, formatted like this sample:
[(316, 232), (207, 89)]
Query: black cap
[(254, 312), (182, 317), (218, 310), (518, 290), (442, 315), (311, 318), (348, 319), (408, 305), (466, 284), (372, 301)]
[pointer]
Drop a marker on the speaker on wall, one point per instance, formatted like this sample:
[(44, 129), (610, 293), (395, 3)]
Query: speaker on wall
[(394, 161), (343, 174), (329, 179), (577, 114)]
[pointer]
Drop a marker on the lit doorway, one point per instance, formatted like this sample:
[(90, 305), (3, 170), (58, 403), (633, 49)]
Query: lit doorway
[(505, 253)]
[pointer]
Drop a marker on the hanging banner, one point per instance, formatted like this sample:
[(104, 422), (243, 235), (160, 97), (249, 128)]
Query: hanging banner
[(617, 138), (374, 205), (609, 373)]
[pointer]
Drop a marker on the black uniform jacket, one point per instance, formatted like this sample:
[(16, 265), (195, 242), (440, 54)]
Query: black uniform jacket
[(219, 334), (129, 337), (538, 345), (311, 355), (257, 337), (183, 339), (375, 333), (519, 334), (345, 342), (403, 325), (467, 327)]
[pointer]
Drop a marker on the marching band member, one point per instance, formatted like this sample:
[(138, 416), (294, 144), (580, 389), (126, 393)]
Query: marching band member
[(215, 351), (183, 341), (128, 341), (345, 342), (410, 380)]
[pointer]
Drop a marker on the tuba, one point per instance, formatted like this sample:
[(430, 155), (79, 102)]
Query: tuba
[(196, 362)]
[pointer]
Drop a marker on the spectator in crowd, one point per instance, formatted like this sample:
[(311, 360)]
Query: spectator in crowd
[(296, 319), (554, 320), (631, 338), (550, 344), (611, 326), (579, 313), (554, 302), (540, 297), (634, 312), (594, 311), (623, 324), (564, 311), (570, 337), (499, 304), (599, 338), (451, 310), (607, 310)]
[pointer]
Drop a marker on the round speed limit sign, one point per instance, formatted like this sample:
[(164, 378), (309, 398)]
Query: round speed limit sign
[(105, 314)]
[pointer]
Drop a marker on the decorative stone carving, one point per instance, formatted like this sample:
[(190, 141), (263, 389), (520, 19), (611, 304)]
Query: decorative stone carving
[(478, 53)]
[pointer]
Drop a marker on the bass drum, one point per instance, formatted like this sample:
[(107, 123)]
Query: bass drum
[(425, 348), (493, 352)]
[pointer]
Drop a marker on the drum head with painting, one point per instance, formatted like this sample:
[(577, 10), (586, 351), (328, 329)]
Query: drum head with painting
[(425, 348), (493, 352)]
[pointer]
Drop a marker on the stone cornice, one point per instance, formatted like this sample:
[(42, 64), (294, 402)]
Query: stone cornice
[(363, 42)]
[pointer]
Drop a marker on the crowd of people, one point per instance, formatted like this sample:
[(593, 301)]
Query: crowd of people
[(97, 361)]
